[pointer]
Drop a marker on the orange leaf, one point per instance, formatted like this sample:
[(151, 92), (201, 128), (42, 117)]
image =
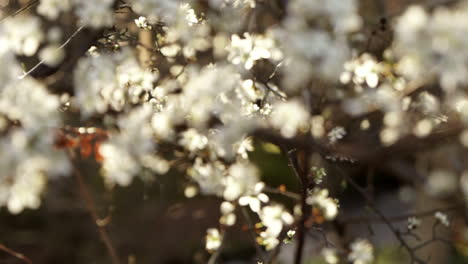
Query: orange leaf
[(97, 155), (317, 216), (85, 147), (282, 188)]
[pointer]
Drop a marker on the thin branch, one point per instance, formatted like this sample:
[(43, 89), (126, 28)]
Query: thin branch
[(24, 8), (321, 231), (61, 47), (435, 238), (91, 207), (272, 257), (277, 93), (302, 178), (364, 154), (399, 218), (291, 195), (370, 182), (251, 228), (15, 254), (395, 231)]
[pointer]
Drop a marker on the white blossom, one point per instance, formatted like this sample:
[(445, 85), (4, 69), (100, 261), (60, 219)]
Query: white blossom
[(203, 93), (273, 217), (213, 239), (95, 14), (330, 50), (442, 218), (343, 14), (142, 22), (52, 55), (336, 134), (441, 182), (243, 147), (431, 45), (10, 73), (327, 205), (241, 180), (93, 75), (209, 176), (330, 255), (251, 48), (231, 139), (52, 8), (363, 69), (193, 141), (27, 164), (228, 216), (125, 151), (106, 81), (190, 191), (362, 252), (29, 101), (157, 10), (255, 199), (163, 127), (22, 34), (413, 223), (289, 117)]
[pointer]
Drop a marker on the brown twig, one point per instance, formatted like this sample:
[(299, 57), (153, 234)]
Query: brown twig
[(251, 226), (300, 173), (399, 218), (15, 254), (91, 207), (291, 195), (61, 47), (395, 231), (22, 9)]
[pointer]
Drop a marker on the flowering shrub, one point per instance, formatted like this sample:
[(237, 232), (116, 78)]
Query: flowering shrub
[(143, 88)]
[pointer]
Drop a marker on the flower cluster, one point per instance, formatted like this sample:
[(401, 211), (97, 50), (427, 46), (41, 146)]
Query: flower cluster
[(430, 44), (273, 217), (325, 58), (319, 199), (362, 252), (193, 87)]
